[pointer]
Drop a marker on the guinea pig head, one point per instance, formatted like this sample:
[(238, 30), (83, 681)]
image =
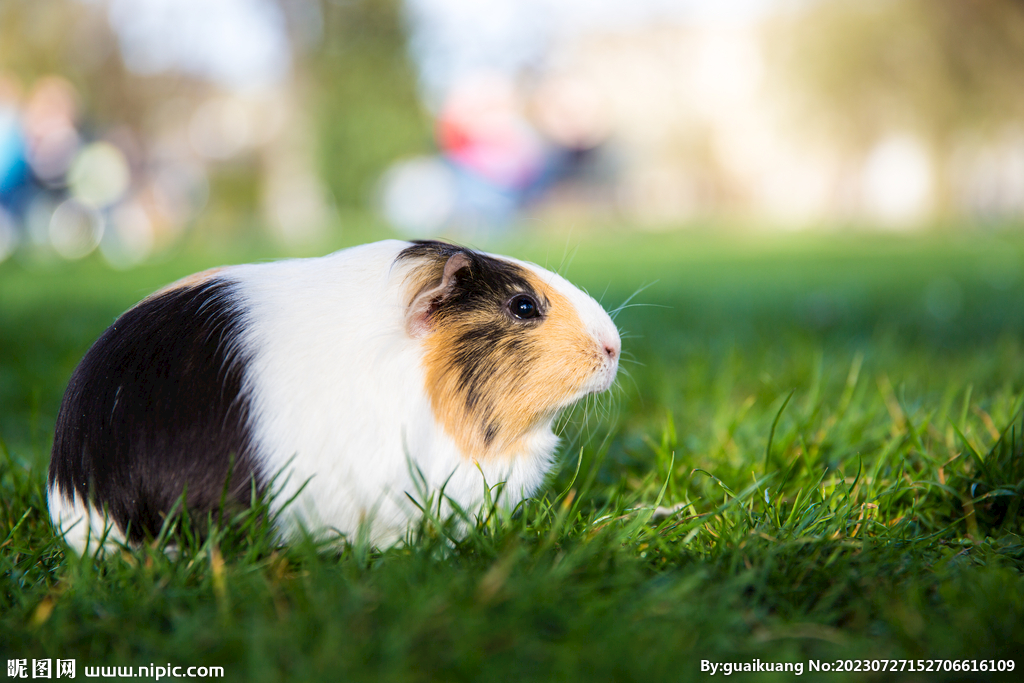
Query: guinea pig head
[(507, 345)]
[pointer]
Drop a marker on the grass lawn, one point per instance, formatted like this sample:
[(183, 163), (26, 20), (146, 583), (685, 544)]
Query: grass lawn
[(815, 453)]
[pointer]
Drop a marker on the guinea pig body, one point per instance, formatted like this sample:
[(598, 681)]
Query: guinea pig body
[(344, 384)]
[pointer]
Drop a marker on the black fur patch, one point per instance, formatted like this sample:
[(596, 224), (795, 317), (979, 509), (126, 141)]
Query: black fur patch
[(157, 407), (488, 286), (492, 431)]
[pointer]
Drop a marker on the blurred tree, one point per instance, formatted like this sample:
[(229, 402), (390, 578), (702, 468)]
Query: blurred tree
[(73, 39), (935, 67), (363, 91), (353, 74), (29, 34)]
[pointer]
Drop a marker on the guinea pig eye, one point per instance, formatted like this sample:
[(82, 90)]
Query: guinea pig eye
[(524, 307)]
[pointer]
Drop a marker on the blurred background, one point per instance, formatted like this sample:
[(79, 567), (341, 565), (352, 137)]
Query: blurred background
[(128, 126)]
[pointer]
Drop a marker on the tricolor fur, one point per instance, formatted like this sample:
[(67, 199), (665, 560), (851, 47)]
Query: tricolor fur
[(347, 376)]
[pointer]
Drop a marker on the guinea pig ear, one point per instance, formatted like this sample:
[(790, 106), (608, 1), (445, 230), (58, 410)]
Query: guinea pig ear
[(421, 310)]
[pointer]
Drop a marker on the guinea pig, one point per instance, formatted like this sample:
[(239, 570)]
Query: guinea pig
[(340, 384)]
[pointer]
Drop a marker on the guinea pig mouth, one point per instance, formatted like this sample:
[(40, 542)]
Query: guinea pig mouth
[(605, 381), (601, 380)]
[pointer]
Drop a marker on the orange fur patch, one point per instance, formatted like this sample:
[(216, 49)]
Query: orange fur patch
[(188, 281), (528, 375)]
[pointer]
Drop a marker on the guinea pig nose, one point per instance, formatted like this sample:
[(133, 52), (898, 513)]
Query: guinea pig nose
[(612, 346)]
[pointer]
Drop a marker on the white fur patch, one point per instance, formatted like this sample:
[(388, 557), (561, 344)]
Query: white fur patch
[(82, 526)]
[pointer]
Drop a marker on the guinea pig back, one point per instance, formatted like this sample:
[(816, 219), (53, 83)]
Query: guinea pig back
[(344, 383)]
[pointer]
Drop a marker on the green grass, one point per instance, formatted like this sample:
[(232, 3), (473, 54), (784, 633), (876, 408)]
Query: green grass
[(816, 452)]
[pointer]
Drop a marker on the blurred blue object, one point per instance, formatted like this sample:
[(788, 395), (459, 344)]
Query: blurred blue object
[(15, 175)]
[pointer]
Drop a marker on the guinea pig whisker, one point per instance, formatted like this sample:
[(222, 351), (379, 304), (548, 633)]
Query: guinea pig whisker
[(625, 304), (639, 304), (615, 312), (565, 253)]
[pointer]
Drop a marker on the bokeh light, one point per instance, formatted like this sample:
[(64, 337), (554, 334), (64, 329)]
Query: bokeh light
[(177, 189), (220, 128), (130, 236), (897, 180), (99, 175), (49, 123), (418, 196), (75, 229)]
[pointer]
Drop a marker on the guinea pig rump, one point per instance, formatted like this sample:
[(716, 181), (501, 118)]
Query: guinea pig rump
[(157, 408)]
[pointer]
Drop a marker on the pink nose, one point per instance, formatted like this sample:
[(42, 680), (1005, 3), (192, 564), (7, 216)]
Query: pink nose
[(611, 344)]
